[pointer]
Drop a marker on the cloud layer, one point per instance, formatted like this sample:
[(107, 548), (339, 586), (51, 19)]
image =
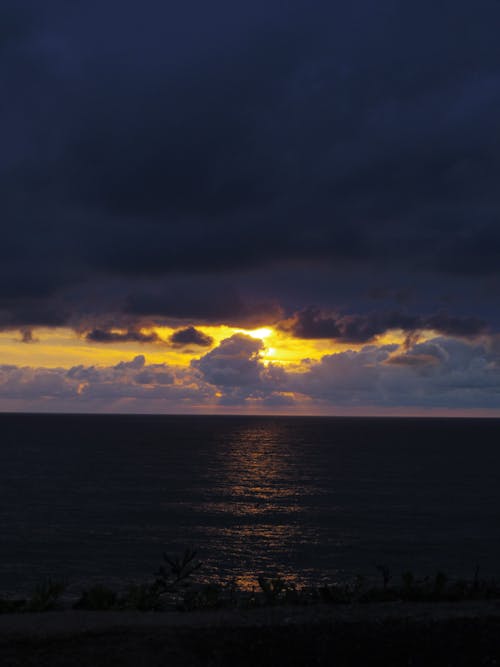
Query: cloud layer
[(442, 373), (190, 336), (238, 164), (311, 323)]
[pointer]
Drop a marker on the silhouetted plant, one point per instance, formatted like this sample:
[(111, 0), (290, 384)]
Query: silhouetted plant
[(408, 579), (173, 588), (272, 588), (460, 589), (11, 606), (476, 578), (385, 574), (231, 593), (207, 597), (277, 590), (335, 594), (45, 596), (177, 571), (410, 588), (97, 597), (143, 597), (440, 582)]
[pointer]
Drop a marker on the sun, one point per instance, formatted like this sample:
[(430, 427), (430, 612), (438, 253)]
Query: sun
[(262, 333)]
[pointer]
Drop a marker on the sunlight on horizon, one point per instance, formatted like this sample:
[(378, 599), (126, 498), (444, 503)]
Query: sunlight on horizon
[(64, 348)]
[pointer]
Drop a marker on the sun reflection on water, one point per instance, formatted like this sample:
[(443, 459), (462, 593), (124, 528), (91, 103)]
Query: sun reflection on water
[(257, 469), (257, 500)]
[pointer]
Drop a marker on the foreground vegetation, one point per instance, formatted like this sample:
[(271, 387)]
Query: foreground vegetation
[(175, 587)]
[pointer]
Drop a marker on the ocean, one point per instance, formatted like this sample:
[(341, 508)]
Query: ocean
[(88, 499)]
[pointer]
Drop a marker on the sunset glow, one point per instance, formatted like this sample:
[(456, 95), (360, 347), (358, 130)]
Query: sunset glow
[(264, 211), (62, 347), (155, 368)]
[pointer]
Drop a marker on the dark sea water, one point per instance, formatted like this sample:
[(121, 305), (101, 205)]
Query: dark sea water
[(99, 498)]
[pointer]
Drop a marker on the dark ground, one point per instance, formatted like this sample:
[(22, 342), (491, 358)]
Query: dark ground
[(370, 640)]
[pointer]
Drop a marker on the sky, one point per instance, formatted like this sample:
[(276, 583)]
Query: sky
[(250, 207)]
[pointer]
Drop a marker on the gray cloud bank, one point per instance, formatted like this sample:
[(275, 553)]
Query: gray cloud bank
[(442, 373)]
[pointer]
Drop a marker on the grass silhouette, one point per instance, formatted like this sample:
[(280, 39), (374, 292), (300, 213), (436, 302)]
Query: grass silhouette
[(176, 586)]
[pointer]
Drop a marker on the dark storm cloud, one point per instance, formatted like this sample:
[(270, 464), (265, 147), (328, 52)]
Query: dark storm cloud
[(210, 299), (312, 323), (196, 139), (19, 313), (190, 336), (453, 326), (103, 336)]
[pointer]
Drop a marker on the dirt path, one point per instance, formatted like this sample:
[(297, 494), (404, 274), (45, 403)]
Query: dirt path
[(388, 634), (71, 622)]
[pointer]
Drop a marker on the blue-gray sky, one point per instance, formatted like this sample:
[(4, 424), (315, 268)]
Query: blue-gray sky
[(330, 169)]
